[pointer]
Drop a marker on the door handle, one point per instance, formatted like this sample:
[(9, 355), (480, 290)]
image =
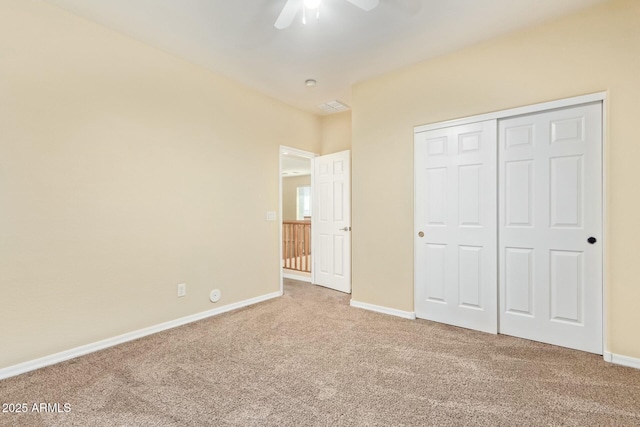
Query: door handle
[(345, 229), (592, 240)]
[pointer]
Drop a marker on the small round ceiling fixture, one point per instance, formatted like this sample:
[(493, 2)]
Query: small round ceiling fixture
[(310, 82)]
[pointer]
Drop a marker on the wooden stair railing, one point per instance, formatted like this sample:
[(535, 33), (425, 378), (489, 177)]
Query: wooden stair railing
[(296, 245)]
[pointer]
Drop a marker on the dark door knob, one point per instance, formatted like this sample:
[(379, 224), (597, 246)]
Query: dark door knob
[(592, 240)]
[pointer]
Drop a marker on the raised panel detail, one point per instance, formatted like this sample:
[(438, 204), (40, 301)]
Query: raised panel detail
[(469, 142), (469, 178), (519, 193), (566, 182), (437, 146), (436, 196), (324, 191), (435, 278), (567, 286), (519, 281), (338, 201), (569, 130), (324, 169), (323, 242), (338, 167), (470, 278), (338, 255), (519, 136)]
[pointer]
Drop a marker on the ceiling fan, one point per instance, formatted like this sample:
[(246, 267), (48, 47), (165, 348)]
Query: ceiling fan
[(293, 7)]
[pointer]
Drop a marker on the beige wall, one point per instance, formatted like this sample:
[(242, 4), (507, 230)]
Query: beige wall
[(335, 133), (115, 183), (597, 50), (290, 194)]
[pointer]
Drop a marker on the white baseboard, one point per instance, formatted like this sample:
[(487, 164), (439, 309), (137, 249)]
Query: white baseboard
[(52, 359), (384, 310), (297, 277), (617, 359)]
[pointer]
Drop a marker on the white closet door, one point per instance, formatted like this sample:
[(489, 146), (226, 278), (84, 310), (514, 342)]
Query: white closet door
[(456, 226), (550, 196)]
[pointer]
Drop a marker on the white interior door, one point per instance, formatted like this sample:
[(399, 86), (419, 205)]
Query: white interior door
[(456, 226), (331, 230), (550, 206)]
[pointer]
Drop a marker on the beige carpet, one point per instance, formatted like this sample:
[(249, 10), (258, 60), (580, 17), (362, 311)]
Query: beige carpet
[(308, 359)]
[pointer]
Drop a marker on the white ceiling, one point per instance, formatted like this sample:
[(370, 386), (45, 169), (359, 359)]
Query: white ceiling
[(295, 166), (237, 38)]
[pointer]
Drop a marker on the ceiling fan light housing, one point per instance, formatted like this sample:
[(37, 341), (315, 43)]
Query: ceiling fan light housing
[(292, 8)]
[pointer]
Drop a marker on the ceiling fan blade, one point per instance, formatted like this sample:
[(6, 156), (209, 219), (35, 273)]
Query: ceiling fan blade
[(288, 14), (365, 4)]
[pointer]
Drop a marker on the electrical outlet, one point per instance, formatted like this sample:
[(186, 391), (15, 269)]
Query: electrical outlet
[(182, 289)]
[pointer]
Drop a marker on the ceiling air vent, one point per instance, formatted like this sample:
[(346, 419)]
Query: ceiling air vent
[(333, 107)]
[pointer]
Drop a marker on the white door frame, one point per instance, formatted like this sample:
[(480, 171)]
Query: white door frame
[(300, 153), (545, 106)]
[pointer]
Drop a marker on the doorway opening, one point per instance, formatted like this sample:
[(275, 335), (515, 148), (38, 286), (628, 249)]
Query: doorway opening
[(296, 207)]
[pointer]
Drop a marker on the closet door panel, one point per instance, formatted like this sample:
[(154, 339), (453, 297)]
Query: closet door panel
[(550, 197), (455, 226)]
